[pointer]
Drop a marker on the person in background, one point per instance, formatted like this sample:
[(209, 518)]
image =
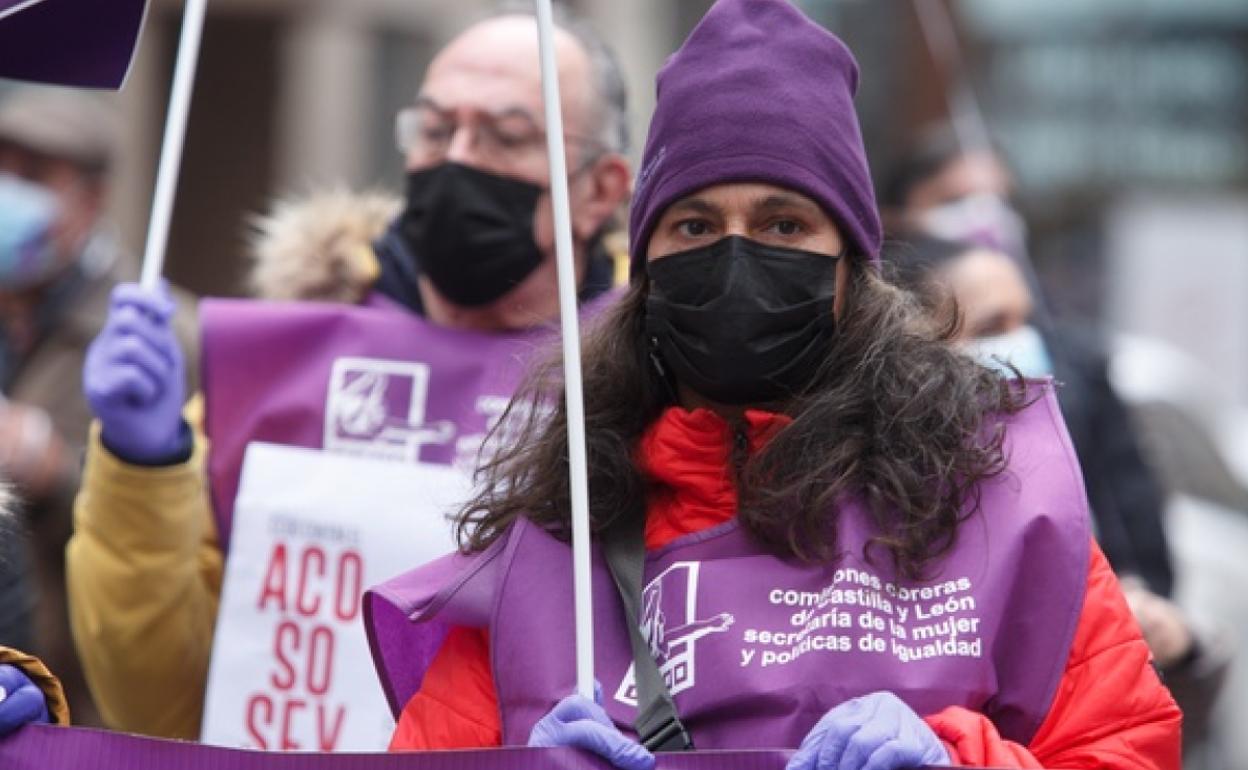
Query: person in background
[(29, 693), (782, 453), (946, 191), (471, 247), (997, 327), (59, 259)]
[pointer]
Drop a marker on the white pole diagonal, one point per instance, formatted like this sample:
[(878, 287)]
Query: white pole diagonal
[(171, 149), (942, 40), (571, 353)]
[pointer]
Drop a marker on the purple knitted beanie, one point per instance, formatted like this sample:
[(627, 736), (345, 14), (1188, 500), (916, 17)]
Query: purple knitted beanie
[(758, 93)]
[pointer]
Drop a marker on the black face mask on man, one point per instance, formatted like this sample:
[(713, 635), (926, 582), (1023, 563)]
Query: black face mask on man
[(742, 322), (470, 231)]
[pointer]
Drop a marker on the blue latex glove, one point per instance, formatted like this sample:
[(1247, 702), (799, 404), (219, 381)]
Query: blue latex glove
[(135, 378), (575, 721), (873, 732), (21, 701)]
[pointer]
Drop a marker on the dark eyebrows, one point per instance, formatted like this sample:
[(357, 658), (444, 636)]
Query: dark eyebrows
[(695, 205), (515, 111), (781, 201), (428, 103), (992, 325)]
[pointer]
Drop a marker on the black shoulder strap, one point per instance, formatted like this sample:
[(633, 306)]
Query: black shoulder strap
[(658, 726)]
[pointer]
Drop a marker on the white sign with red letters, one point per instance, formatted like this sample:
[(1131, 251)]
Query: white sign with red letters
[(291, 669)]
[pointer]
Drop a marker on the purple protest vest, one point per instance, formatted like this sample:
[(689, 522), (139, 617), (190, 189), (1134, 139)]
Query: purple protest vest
[(374, 380), (756, 648)]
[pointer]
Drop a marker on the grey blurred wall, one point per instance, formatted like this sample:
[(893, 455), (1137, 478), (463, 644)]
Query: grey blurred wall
[(1094, 102)]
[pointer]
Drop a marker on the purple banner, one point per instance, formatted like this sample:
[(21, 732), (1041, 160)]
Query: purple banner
[(40, 747), (85, 43), (370, 381), (57, 748)]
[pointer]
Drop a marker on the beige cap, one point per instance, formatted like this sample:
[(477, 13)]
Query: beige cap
[(61, 122)]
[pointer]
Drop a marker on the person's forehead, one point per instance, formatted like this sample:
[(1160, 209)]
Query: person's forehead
[(988, 277), (974, 173), (744, 195), (494, 66)]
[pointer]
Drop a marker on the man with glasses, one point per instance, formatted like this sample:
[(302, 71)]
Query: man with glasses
[(478, 215), (471, 250)]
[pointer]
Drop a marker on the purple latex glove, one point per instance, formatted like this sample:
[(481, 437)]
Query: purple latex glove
[(574, 721), (135, 378), (873, 732), (21, 702)]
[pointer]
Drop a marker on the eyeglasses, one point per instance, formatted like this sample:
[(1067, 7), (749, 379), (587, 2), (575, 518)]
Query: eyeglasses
[(425, 133)]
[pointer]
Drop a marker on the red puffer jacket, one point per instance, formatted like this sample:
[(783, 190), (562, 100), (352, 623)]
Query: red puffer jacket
[(1110, 710)]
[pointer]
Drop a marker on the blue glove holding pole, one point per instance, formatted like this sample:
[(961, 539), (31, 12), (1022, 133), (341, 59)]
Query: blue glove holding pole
[(135, 379), (21, 701), (872, 732), (575, 721)]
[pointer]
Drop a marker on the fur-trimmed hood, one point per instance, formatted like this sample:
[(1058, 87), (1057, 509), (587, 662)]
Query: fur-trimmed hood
[(319, 246)]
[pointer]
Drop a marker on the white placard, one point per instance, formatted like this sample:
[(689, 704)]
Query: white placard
[(291, 670)]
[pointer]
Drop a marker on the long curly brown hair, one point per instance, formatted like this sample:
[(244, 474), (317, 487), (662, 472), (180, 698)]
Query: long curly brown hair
[(894, 416)]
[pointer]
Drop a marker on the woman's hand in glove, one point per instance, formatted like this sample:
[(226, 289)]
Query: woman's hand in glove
[(575, 721), (21, 701), (872, 732)]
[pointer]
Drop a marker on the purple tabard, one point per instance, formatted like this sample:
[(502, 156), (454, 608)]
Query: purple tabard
[(372, 381), (69, 42), (755, 647)]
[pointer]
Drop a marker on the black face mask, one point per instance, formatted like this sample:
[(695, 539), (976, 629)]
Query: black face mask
[(470, 231), (741, 322)]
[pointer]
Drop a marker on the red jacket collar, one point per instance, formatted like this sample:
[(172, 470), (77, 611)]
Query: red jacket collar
[(686, 456)]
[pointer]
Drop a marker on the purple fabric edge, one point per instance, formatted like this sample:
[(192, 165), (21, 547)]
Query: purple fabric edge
[(91, 45), (1053, 411), (40, 747)]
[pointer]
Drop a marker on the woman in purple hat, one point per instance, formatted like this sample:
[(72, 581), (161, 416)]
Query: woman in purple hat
[(852, 540)]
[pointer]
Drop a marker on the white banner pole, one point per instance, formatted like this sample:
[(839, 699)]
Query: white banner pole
[(965, 115), (171, 150), (579, 478)]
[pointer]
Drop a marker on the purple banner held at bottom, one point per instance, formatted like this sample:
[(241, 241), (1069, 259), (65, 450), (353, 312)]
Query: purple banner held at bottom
[(39, 747)]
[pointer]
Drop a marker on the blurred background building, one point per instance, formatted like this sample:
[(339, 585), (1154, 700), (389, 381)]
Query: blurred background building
[(1126, 122)]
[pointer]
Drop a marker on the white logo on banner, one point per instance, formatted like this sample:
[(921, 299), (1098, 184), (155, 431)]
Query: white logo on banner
[(376, 408), (291, 669), (670, 625)]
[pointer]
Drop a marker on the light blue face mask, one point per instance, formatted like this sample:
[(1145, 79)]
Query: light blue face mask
[(28, 213), (1024, 348)]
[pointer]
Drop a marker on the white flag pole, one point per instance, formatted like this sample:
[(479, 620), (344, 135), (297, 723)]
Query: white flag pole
[(571, 353), (965, 115), (942, 40), (171, 150)]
